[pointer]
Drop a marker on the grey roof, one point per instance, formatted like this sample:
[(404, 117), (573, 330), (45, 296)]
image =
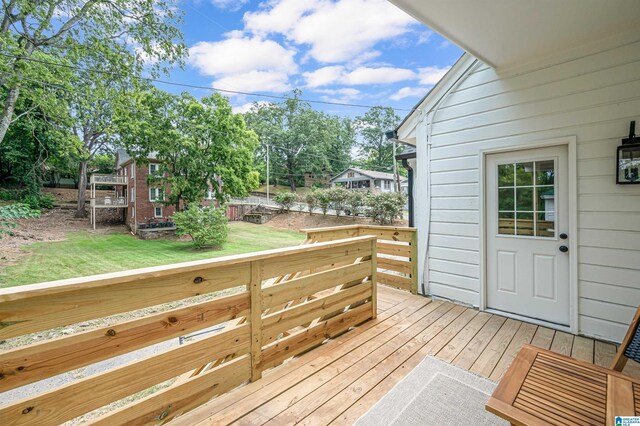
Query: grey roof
[(122, 156), (369, 173)]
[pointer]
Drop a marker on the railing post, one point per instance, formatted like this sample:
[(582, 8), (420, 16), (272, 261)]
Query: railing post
[(255, 288), (374, 278), (414, 262)]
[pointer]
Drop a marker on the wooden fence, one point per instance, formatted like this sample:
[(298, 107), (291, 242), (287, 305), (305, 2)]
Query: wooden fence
[(274, 305), (397, 250)]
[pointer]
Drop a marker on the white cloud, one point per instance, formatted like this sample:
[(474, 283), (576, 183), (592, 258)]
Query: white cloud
[(240, 55), (337, 31), (345, 94), (241, 109), (408, 92), (431, 75), (361, 75), (231, 5), (324, 76), (255, 81)]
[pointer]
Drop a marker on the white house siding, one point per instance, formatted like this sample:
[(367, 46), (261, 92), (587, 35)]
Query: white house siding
[(592, 98)]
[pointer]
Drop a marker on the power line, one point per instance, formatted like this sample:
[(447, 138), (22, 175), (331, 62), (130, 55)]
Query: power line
[(194, 86)]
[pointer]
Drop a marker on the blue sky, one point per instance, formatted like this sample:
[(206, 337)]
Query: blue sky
[(354, 51)]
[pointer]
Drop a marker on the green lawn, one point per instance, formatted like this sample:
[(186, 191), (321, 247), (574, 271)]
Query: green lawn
[(84, 253)]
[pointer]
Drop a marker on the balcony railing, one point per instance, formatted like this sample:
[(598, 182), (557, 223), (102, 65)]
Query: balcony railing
[(109, 202), (397, 251), (261, 318), (108, 179)]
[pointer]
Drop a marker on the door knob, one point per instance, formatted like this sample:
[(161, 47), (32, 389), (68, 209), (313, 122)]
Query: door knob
[(563, 236), (564, 249)]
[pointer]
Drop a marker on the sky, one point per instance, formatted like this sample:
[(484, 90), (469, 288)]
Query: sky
[(365, 52)]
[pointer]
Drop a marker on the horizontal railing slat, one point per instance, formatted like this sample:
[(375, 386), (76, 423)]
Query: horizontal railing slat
[(41, 360), (311, 284), (82, 396), (166, 403), (304, 340), (402, 266), (394, 280), (394, 249), (289, 318)]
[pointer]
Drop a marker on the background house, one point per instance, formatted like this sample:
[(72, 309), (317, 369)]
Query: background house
[(365, 180), (311, 179), (528, 120)]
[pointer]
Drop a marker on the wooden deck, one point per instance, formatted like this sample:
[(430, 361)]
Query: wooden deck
[(340, 381)]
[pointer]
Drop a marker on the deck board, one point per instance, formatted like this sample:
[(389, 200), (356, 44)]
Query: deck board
[(340, 381)]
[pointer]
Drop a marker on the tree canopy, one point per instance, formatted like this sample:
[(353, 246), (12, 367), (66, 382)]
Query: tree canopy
[(375, 149), (300, 140), (201, 144)]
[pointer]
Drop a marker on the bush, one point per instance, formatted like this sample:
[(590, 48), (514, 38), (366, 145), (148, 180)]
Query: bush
[(9, 213), (355, 203), (207, 226), (286, 200), (312, 201), (8, 195), (338, 198), (39, 201), (385, 206), (324, 201)]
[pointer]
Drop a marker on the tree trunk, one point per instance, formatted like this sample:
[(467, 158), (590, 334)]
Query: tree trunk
[(7, 112), (292, 182), (82, 189)]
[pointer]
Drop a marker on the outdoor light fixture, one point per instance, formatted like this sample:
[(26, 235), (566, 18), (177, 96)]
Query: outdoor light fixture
[(628, 158)]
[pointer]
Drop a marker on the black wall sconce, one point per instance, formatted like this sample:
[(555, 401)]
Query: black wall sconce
[(628, 158)]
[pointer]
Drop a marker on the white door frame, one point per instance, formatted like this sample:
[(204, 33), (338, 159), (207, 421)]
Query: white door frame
[(572, 173)]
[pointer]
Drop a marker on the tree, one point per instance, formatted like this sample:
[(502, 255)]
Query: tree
[(68, 30), (201, 145), (300, 139), (374, 146), (207, 226), (338, 197), (286, 200)]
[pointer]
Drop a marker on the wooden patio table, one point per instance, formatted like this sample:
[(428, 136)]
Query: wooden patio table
[(542, 387)]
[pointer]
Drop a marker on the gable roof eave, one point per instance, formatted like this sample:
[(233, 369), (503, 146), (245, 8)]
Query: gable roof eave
[(457, 71)]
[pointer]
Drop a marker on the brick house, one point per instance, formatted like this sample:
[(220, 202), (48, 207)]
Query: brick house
[(145, 201)]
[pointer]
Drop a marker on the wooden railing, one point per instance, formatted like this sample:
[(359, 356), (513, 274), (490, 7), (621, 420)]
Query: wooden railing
[(274, 305), (397, 250)]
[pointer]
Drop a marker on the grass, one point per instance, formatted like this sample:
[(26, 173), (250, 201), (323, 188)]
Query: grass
[(85, 253)]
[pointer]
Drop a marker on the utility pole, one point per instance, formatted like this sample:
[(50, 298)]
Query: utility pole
[(267, 174)]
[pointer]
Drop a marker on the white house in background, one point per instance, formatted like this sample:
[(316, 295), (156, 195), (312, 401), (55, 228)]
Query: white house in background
[(404, 186), (364, 180), (518, 210)]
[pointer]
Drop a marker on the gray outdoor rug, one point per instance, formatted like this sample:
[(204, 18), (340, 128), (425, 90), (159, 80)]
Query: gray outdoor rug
[(435, 393)]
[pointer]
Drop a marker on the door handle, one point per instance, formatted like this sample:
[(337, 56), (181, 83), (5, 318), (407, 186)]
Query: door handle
[(564, 249)]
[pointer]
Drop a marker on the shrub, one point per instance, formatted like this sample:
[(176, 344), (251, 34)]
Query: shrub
[(286, 200), (8, 195), (312, 201), (324, 201), (355, 203), (386, 206), (338, 198), (207, 226), (39, 201), (8, 215)]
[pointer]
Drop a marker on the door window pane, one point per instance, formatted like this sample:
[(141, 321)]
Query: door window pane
[(526, 199), (505, 175), (524, 224), (524, 174), (506, 223), (505, 199)]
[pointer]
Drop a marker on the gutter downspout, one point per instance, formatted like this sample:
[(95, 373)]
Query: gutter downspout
[(405, 164), (429, 116)]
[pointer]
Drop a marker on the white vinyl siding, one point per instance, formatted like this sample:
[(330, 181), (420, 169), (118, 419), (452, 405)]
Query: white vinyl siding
[(592, 98)]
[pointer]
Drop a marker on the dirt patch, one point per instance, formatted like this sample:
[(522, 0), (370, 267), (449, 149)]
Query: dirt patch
[(297, 221), (53, 225), (66, 195)]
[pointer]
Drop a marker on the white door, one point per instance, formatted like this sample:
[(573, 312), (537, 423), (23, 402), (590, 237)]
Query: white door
[(527, 223)]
